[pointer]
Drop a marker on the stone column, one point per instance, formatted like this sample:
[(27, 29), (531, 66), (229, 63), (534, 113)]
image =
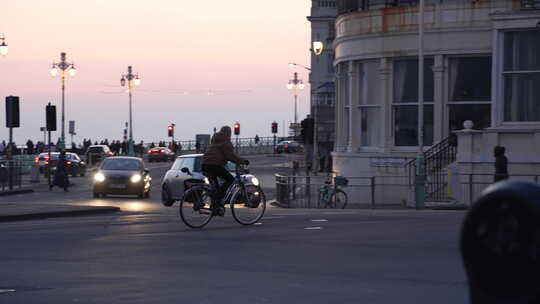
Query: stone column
[(439, 127), (354, 115), (385, 105), (339, 110)]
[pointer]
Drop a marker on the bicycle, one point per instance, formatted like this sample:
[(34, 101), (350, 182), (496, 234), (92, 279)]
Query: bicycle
[(246, 201), (331, 195)]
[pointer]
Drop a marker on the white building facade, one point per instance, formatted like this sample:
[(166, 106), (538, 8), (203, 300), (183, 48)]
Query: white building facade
[(321, 79), (482, 63)]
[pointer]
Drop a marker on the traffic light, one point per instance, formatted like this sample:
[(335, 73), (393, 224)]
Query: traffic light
[(12, 112), (170, 130), (237, 128), (307, 130), (274, 127), (50, 112)]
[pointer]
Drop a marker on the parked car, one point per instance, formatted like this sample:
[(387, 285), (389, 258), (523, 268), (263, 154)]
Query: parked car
[(288, 146), (160, 154), (75, 166), (122, 175), (97, 153), (176, 182)]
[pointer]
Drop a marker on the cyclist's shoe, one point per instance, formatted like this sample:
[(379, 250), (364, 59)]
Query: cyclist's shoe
[(198, 206), (218, 211)]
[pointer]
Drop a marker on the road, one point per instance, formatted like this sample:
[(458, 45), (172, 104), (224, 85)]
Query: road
[(145, 254)]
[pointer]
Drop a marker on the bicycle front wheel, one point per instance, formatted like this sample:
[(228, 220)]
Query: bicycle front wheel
[(339, 199), (248, 205), (195, 208)]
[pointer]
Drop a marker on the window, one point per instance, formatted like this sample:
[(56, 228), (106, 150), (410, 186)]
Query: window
[(521, 76), (405, 102), (469, 92), (368, 94)]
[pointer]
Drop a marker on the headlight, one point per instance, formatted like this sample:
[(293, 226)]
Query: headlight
[(206, 180), (99, 177), (136, 178), (255, 181)]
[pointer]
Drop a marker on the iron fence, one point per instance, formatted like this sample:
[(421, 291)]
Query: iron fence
[(530, 4), (11, 172), (472, 185), (296, 191)]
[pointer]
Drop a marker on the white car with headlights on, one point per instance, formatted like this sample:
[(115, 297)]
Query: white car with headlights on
[(186, 171), (122, 175)]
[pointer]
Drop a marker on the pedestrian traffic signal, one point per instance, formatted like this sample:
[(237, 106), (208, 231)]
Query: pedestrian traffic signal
[(50, 112), (170, 130), (12, 112), (237, 128), (274, 127)]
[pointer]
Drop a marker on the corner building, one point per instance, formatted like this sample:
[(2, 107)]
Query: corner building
[(482, 63)]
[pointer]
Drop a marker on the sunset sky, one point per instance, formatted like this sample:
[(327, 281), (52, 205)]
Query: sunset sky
[(181, 49)]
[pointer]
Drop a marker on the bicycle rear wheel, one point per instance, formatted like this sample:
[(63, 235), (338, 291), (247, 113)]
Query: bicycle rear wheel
[(339, 199), (248, 205), (195, 207)]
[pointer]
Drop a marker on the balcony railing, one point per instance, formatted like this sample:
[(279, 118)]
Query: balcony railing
[(348, 6)]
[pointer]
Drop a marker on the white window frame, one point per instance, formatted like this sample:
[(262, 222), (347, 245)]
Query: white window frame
[(500, 73)]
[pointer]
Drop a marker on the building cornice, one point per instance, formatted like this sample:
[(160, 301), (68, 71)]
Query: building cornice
[(320, 18)]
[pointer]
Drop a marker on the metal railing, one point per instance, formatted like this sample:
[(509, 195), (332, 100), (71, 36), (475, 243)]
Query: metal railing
[(473, 184), (530, 4), (11, 172), (244, 146), (436, 160), (296, 191), (379, 191)]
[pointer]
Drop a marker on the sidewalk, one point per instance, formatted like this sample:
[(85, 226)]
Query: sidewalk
[(32, 211)]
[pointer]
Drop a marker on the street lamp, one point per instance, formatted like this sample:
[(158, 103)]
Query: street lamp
[(63, 66), (132, 80), (295, 84), (318, 47), (3, 46)]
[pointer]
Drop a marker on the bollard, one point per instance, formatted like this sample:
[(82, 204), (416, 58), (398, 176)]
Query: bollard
[(420, 183)]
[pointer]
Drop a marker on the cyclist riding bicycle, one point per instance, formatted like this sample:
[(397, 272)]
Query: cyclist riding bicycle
[(215, 158)]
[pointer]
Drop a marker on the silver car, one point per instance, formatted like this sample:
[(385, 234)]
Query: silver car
[(187, 170)]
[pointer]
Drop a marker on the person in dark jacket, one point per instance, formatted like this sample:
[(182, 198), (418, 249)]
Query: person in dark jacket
[(216, 156), (501, 164), (61, 175)]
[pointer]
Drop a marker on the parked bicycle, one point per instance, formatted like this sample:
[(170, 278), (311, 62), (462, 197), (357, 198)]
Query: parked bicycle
[(245, 199), (331, 196)]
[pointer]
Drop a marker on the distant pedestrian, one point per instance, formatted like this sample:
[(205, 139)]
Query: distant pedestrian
[(257, 139), (501, 164), (61, 175)]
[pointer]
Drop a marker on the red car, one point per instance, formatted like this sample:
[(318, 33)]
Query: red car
[(160, 154)]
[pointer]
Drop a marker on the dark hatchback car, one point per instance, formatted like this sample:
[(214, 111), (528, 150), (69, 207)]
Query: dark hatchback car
[(75, 166), (122, 175), (160, 154), (288, 146)]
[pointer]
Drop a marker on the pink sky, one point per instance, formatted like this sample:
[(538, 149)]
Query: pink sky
[(174, 45)]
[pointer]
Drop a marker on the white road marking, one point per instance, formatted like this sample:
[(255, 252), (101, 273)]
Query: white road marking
[(319, 220), (313, 228), (259, 223), (6, 290)]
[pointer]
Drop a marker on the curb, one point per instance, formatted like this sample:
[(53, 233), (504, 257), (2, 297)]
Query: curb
[(13, 192), (66, 213)]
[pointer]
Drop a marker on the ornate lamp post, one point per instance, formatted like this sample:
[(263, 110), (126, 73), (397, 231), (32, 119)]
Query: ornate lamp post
[(132, 80), (63, 66), (3, 46), (295, 84)]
